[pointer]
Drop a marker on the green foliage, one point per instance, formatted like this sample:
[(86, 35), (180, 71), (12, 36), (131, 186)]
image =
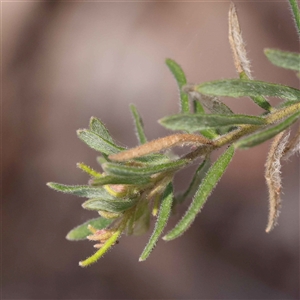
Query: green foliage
[(123, 170), (138, 125), (115, 206), (284, 59), (266, 134), (208, 183), (163, 216), (80, 190), (81, 232), (181, 81), (198, 122), (295, 13), (97, 142), (135, 182), (252, 88)]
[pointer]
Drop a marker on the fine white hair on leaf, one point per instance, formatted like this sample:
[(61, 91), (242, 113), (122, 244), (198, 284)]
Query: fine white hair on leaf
[(242, 64), (159, 145), (273, 178), (293, 146)]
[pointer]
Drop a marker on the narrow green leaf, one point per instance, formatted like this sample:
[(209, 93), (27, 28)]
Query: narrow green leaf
[(196, 180), (252, 88), (97, 143), (88, 170), (82, 190), (138, 125), (99, 128), (198, 122), (114, 206), (123, 170), (99, 253), (81, 232), (108, 179), (283, 59), (181, 81), (208, 183), (296, 14), (163, 216), (268, 133)]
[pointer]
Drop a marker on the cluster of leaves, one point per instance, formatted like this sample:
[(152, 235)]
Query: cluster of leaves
[(137, 183)]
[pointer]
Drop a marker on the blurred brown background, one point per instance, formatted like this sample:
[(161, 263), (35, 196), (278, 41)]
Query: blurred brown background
[(66, 61)]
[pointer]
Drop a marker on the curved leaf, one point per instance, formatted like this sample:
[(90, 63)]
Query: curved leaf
[(99, 253)]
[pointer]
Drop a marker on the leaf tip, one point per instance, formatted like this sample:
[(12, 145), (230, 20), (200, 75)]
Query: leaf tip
[(51, 185), (168, 61), (79, 132), (81, 264), (166, 238), (69, 237)]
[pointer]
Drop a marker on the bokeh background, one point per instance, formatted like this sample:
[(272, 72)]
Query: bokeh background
[(66, 61)]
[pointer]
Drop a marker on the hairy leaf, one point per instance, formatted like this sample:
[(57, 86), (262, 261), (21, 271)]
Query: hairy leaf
[(138, 125), (88, 170), (181, 81), (114, 206), (198, 122), (98, 143), (264, 135), (283, 59), (243, 87), (273, 178), (208, 183), (99, 128), (296, 14), (163, 216), (241, 62), (82, 190), (122, 170), (98, 254)]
